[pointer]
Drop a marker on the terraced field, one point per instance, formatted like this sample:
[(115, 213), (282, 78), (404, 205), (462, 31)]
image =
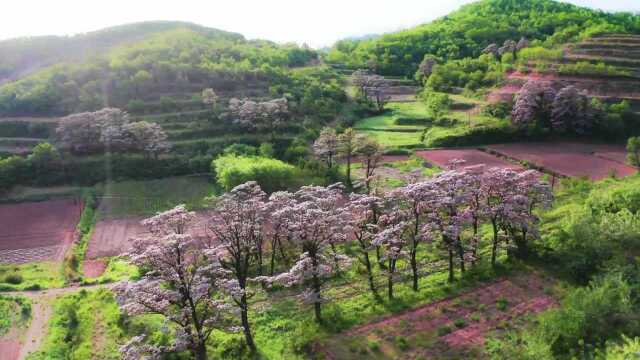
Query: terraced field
[(614, 77)]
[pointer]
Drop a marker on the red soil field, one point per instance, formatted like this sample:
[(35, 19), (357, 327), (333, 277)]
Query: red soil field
[(94, 268), (570, 159), (113, 237), (10, 349), (479, 308), (37, 231), (471, 156)]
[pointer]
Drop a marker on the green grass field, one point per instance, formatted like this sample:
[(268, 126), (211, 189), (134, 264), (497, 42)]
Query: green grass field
[(148, 197), (15, 311), (32, 276), (384, 129)]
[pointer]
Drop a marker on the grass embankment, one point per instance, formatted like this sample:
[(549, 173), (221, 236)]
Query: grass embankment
[(409, 125), (32, 276)]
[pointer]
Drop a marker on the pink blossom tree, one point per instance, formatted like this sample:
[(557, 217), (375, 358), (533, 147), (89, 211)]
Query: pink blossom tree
[(314, 227), (326, 145), (371, 153), (361, 216), (181, 285), (571, 111), (237, 226), (265, 116), (392, 240), (533, 104)]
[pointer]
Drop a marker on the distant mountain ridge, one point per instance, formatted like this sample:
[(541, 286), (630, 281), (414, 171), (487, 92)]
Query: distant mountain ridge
[(22, 56)]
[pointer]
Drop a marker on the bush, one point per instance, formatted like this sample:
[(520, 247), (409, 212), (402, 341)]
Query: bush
[(443, 330), (14, 279), (271, 174), (402, 343), (240, 150), (500, 110), (460, 323)]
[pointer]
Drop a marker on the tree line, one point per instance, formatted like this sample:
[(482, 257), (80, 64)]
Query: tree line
[(297, 239)]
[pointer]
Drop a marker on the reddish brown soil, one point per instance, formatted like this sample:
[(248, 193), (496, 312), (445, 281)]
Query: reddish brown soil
[(570, 159), (472, 157), (94, 268), (479, 308), (9, 349), (113, 237), (37, 231)]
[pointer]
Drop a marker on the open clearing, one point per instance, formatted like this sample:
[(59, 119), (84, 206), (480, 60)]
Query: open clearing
[(37, 231), (472, 157), (453, 328), (570, 159)]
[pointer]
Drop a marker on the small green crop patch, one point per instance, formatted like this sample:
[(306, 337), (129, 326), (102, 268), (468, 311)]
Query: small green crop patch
[(148, 197), (32, 276), (15, 311)]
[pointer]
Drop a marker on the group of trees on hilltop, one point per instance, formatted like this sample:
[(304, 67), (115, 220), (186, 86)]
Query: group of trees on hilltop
[(466, 32), (111, 130), (205, 284)]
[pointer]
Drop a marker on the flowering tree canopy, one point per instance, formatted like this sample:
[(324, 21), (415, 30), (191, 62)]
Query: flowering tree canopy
[(181, 285), (326, 145), (313, 225), (111, 130), (533, 104), (571, 111), (266, 116)]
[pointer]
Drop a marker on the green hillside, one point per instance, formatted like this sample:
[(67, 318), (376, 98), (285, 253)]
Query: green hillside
[(466, 32), (135, 64), (21, 56)]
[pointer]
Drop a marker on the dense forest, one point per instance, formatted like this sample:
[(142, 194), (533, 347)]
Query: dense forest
[(466, 32)]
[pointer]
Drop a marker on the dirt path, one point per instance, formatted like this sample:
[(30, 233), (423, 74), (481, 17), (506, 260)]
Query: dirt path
[(30, 340)]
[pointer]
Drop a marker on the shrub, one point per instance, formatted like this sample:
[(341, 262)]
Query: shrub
[(374, 345), (271, 174), (14, 279), (502, 304), (402, 343), (240, 150), (460, 323), (443, 330)]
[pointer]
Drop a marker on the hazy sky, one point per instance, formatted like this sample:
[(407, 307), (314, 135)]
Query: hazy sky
[(319, 22)]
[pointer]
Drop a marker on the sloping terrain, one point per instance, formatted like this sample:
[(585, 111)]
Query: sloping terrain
[(605, 66)]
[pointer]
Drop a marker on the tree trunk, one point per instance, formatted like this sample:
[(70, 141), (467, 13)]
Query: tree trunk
[(390, 280), (451, 274), (349, 171), (245, 323), (367, 264), (273, 258), (414, 268), (461, 255), (200, 352), (378, 259), (316, 288), (494, 246)]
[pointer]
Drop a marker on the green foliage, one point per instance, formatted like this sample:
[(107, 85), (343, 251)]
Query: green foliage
[(633, 151), (500, 110), (539, 54), (437, 104), (629, 349), (587, 68), (83, 324), (75, 256), (271, 174), (240, 150), (34, 276), (466, 73), (14, 311), (267, 150), (466, 32)]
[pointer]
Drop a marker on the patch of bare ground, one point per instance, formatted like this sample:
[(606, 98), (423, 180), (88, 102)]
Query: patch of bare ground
[(451, 328), (93, 268)]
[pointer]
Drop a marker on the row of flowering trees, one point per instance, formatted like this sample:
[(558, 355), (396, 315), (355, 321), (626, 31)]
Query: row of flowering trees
[(202, 284)]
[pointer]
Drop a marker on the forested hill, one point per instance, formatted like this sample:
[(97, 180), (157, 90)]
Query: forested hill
[(21, 56), (466, 32), (140, 63)]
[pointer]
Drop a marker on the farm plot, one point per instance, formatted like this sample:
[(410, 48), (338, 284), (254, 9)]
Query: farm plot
[(472, 157), (570, 159), (451, 328), (112, 237), (37, 231)]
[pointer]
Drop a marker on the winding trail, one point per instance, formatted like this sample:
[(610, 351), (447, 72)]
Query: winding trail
[(31, 339)]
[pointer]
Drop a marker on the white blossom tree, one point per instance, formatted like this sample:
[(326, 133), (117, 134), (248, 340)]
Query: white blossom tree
[(326, 145)]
